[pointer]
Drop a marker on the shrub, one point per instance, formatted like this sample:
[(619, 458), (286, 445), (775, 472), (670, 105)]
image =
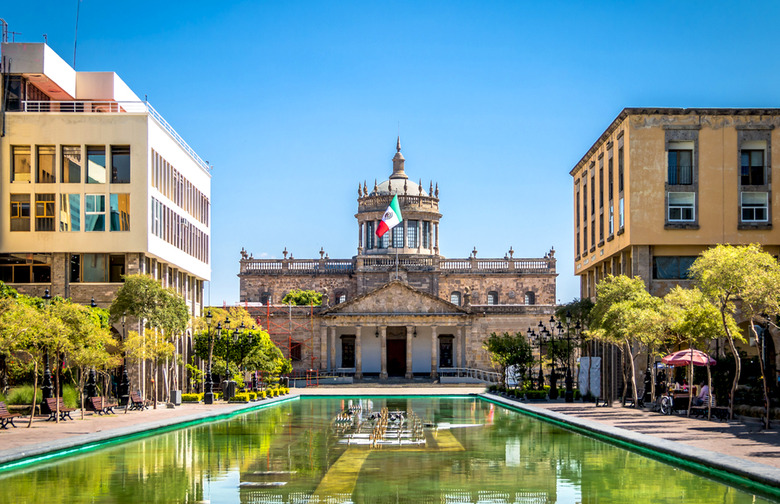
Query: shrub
[(536, 394), (261, 394), (252, 396), (22, 395), (191, 398), (241, 397)]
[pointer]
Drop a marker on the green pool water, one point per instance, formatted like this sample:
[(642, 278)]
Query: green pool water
[(464, 450)]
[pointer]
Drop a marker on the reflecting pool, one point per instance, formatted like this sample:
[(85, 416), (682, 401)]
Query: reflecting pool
[(369, 450)]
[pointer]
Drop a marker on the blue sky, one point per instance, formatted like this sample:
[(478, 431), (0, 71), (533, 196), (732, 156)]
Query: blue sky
[(295, 103)]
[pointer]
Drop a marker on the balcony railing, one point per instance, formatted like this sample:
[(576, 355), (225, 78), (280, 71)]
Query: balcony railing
[(382, 263), (114, 107)]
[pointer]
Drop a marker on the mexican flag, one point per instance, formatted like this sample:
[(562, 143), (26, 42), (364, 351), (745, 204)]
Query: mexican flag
[(391, 218)]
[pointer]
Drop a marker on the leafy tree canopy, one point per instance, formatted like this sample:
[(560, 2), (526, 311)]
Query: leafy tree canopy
[(297, 297)]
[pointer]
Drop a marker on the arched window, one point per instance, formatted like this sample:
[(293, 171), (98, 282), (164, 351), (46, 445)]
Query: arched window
[(492, 298), (530, 298), (341, 296), (455, 298), (265, 298)]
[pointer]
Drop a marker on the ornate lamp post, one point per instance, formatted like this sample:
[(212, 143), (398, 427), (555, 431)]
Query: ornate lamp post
[(208, 383), (124, 385), (46, 388), (569, 397), (549, 334), (536, 340)]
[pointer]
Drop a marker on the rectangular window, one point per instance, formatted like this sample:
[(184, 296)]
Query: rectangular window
[(94, 268), (71, 164), (120, 212), (44, 212), (593, 195), (446, 351), (585, 237), (21, 169), (601, 186), (411, 233), (20, 212), (95, 212), (347, 351), (578, 215), (601, 228), (621, 214), (681, 206), (672, 267), (754, 207), (116, 268), (585, 203), (680, 167), (120, 164), (610, 182), (45, 157), (752, 167), (25, 268), (577, 241), (370, 235), (426, 234), (398, 236), (96, 165), (384, 241), (70, 212), (611, 219), (620, 169)]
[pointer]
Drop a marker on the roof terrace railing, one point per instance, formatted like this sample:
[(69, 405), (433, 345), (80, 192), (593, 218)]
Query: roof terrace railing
[(114, 107)]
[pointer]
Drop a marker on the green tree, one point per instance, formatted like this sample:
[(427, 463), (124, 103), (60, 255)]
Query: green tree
[(507, 350), (298, 297), (580, 312), (726, 275), (626, 315), (693, 321)]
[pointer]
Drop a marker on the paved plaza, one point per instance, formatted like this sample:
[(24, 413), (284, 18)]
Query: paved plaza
[(743, 447)]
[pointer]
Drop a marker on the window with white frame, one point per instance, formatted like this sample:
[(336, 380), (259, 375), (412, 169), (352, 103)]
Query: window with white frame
[(95, 212), (754, 207), (398, 236), (681, 207), (412, 235)]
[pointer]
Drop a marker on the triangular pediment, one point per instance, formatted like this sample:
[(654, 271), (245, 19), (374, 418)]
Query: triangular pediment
[(396, 297)]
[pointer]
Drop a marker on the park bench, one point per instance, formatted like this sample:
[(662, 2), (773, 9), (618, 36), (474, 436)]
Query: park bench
[(100, 405), (6, 417), (718, 412), (50, 406), (137, 402)]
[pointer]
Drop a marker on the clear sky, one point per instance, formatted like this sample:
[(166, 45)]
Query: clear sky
[(295, 103)]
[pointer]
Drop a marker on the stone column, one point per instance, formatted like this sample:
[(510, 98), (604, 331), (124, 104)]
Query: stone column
[(409, 343), (456, 345), (324, 364), (406, 234), (383, 354), (358, 353), (436, 230), (332, 353), (434, 353)]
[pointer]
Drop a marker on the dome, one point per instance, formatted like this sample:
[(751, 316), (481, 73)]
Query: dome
[(396, 186)]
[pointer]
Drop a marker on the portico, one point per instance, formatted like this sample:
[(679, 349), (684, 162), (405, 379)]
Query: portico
[(395, 330)]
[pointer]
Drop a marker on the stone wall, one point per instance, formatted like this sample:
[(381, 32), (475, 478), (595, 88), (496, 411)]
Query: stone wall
[(252, 286), (511, 289)]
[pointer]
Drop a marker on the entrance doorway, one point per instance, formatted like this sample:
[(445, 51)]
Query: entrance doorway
[(396, 351)]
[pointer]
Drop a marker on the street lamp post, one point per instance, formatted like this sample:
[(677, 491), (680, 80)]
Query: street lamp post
[(536, 340), (569, 397), (124, 385), (90, 388), (550, 334), (46, 388), (208, 382)]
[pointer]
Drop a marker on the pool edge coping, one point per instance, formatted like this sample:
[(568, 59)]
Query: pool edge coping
[(760, 474), (16, 458)]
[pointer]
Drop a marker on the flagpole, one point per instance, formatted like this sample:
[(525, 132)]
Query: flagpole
[(396, 263)]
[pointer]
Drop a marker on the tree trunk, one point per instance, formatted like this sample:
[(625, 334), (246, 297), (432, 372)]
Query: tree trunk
[(737, 363), (763, 374), (57, 386), (709, 391), (632, 368), (35, 392)]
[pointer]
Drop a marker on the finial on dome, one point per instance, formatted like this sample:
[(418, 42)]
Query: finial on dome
[(360, 190), (365, 188), (398, 144), (398, 162), (405, 188), (437, 190)]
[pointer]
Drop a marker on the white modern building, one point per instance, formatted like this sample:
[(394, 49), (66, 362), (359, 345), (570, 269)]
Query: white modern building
[(94, 184)]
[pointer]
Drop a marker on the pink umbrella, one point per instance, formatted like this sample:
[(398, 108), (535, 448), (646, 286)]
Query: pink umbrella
[(687, 357)]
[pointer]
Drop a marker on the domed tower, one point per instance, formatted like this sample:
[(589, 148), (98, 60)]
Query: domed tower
[(418, 234)]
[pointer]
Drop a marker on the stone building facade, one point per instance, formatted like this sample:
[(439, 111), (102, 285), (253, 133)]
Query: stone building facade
[(397, 308)]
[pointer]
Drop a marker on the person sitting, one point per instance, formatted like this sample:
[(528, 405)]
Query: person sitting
[(703, 395)]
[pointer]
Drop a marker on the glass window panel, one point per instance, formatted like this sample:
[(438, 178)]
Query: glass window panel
[(412, 235), (70, 212), (398, 236), (94, 268), (44, 212), (120, 212), (75, 268), (120, 164), (116, 268), (21, 168), (20, 212), (455, 298), (96, 165), (71, 164), (95, 212), (45, 172)]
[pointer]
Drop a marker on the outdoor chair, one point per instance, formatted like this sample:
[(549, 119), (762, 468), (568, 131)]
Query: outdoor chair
[(100, 405), (137, 402), (50, 406), (629, 399), (6, 418)]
